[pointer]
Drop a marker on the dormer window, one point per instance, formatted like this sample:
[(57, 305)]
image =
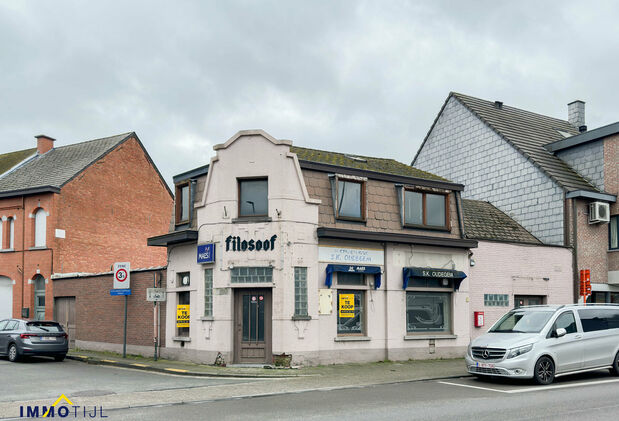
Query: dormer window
[(253, 197), (348, 197), (425, 209), (182, 203)]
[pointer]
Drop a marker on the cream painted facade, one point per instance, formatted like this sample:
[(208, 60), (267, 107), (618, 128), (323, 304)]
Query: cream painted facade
[(293, 217)]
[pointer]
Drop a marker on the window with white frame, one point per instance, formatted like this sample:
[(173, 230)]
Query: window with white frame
[(300, 291), (613, 233), (208, 292), (351, 303), (40, 227), (11, 233), (428, 311), (245, 275)]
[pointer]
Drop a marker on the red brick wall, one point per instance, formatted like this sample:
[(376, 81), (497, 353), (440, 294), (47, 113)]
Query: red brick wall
[(110, 210), (592, 245), (611, 185), (99, 316)]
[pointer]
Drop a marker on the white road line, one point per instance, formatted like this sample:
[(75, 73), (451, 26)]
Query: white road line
[(561, 386), (474, 387)]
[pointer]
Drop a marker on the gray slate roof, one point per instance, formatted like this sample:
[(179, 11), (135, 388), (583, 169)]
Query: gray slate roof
[(482, 221), (528, 132), (59, 165)]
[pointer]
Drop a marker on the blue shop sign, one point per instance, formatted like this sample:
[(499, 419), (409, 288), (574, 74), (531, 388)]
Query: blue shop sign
[(206, 253)]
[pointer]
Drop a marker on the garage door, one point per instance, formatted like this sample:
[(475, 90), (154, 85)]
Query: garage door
[(6, 298)]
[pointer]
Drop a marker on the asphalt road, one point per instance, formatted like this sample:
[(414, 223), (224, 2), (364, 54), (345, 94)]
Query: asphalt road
[(137, 395)]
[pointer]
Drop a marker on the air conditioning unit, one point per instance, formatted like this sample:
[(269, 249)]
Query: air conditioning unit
[(599, 212)]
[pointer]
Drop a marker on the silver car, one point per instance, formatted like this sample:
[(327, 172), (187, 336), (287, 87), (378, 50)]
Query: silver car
[(544, 342), (28, 337)]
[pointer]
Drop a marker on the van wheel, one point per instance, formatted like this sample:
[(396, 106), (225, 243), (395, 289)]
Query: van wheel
[(60, 357), (13, 354), (615, 369), (544, 371)]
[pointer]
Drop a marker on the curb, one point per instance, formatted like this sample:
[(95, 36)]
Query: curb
[(170, 370)]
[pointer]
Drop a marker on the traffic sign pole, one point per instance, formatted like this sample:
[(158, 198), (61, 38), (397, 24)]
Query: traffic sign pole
[(125, 332)]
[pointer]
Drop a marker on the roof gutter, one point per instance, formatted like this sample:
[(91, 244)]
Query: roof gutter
[(585, 194), (30, 191), (585, 137)]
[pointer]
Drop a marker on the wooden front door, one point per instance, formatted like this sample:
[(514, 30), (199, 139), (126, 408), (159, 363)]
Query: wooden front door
[(64, 313), (252, 314)]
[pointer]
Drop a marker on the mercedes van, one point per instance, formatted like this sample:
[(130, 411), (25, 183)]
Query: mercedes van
[(544, 342)]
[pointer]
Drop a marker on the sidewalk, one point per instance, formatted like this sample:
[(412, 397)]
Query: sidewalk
[(351, 374)]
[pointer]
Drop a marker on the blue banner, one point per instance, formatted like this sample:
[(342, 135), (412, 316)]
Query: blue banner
[(413, 272), (206, 253), (375, 270)]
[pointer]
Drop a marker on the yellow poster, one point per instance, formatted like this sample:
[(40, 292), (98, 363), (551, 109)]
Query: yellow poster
[(347, 305), (182, 315)]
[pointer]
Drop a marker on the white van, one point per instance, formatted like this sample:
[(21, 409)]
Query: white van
[(544, 342)]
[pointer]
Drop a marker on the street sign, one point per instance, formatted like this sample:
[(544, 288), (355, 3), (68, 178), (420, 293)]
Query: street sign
[(122, 275), (125, 291), (155, 294), (206, 253)]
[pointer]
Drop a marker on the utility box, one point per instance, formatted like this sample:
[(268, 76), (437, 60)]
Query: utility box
[(479, 318)]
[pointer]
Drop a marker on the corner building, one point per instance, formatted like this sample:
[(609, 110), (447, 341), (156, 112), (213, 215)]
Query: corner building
[(322, 256)]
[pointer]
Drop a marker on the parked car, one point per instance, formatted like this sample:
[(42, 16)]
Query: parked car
[(544, 342), (29, 337)]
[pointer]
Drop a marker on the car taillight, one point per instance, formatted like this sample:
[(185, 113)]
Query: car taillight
[(27, 335), (65, 335)]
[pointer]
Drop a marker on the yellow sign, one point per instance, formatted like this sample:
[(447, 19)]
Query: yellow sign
[(182, 315), (347, 305)]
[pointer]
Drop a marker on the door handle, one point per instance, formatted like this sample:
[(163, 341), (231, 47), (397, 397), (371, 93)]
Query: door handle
[(578, 337)]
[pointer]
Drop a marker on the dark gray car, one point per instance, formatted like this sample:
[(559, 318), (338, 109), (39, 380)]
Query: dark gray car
[(29, 337)]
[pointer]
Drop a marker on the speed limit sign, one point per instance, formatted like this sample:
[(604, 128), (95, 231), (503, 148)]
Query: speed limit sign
[(122, 275)]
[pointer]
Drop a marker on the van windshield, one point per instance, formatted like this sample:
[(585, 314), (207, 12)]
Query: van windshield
[(522, 322)]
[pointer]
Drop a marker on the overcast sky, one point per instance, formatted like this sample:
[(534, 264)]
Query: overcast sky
[(366, 77)]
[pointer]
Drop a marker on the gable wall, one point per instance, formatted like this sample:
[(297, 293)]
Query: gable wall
[(463, 149), (587, 160)]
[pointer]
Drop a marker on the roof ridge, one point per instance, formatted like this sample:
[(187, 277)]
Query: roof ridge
[(95, 140)]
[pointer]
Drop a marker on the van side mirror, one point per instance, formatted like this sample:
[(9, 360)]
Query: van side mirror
[(560, 332)]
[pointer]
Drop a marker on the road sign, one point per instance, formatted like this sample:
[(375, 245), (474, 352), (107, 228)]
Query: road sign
[(122, 275), (155, 294), (125, 291)]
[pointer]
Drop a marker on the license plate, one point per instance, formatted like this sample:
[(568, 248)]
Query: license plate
[(48, 338), (485, 365)]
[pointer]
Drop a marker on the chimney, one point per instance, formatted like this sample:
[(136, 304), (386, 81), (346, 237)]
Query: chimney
[(576, 114), (44, 143), (498, 104)]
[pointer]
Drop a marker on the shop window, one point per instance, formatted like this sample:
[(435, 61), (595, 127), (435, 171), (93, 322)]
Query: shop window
[(181, 202), (350, 315), (246, 275), (208, 292), (613, 233), (40, 227), (350, 199), (428, 312), (253, 197), (496, 300), (427, 210), (183, 280), (182, 314), (300, 291)]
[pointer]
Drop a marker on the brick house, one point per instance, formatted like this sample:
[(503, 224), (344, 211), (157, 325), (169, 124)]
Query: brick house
[(75, 208), (506, 156), (510, 267), (324, 256)]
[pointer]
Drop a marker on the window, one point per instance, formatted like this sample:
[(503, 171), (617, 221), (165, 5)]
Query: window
[(300, 291), (428, 312), (613, 233), (350, 199), (11, 233), (426, 210), (245, 275), (1, 237), (208, 292), (183, 280), (253, 197), (496, 300), (40, 228), (183, 312), (566, 321), (350, 313), (599, 319), (182, 203)]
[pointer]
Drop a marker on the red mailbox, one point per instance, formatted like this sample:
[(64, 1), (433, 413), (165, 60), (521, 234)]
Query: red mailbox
[(479, 318)]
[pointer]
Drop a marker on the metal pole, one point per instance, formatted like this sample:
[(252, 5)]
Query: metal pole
[(155, 308), (125, 332)]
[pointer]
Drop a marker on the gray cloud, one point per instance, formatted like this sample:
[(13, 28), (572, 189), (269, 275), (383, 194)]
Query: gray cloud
[(360, 76)]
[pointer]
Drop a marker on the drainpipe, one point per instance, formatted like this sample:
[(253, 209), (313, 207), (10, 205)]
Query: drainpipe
[(575, 248), (23, 253), (385, 262)]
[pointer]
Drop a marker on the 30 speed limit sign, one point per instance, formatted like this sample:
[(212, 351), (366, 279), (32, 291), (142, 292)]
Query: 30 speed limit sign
[(122, 275)]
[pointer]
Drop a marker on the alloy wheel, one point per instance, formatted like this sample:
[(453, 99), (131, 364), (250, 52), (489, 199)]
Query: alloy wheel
[(12, 353), (544, 371)]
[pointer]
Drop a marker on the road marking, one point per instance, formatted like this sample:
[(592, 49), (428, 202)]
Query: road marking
[(536, 388), (109, 361), (474, 387), (178, 370), (139, 365)]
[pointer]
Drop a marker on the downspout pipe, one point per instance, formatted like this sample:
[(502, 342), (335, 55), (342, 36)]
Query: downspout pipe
[(575, 248)]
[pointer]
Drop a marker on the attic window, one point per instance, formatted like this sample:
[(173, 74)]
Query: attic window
[(564, 134), (356, 158)]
